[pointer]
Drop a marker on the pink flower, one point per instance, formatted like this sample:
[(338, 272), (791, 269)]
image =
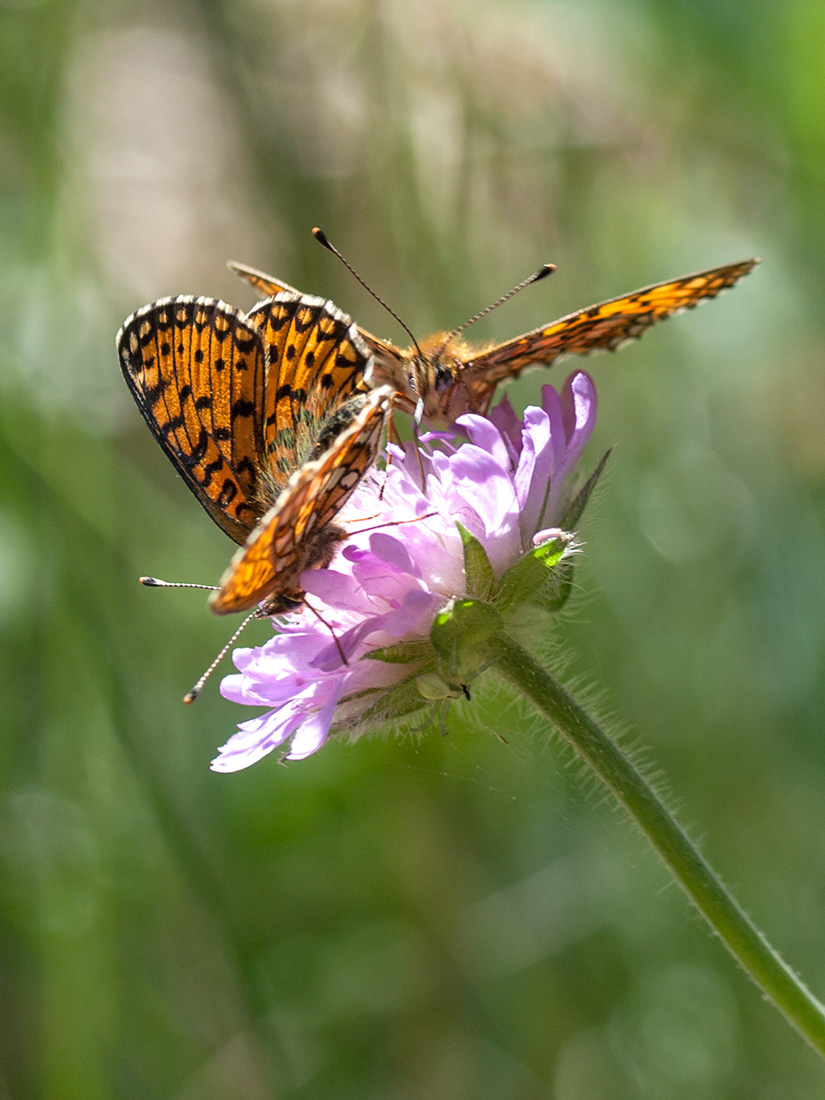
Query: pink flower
[(504, 483)]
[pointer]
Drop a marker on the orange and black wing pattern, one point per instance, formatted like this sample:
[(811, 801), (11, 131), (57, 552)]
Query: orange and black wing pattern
[(316, 361), (196, 369), (299, 531), (270, 421), (387, 353), (605, 326)]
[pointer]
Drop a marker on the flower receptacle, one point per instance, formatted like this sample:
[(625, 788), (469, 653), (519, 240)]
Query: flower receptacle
[(462, 635)]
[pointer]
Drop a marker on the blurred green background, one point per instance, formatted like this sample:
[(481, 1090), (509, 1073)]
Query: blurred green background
[(450, 917)]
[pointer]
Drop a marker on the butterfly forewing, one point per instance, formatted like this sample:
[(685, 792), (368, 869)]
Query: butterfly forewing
[(195, 367), (347, 460), (316, 362), (386, 353), (605, 326), (298, 532)]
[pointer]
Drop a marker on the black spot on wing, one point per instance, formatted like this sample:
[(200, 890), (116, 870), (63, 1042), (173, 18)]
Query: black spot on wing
[(198, 451)]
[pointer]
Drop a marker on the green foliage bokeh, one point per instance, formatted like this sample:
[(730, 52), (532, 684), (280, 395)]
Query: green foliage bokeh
[(446, 917)]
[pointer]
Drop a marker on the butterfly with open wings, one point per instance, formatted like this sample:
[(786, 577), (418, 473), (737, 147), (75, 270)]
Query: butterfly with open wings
[(270, 419), (444, 377)]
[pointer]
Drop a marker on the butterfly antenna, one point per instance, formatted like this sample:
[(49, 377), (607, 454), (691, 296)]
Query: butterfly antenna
[(321, 237), (154, 582), (192, 695), (542, 273)]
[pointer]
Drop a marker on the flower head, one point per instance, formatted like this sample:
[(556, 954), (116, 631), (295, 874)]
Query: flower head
[(360, 653)]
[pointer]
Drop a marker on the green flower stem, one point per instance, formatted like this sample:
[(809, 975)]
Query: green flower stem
[(745, 942)]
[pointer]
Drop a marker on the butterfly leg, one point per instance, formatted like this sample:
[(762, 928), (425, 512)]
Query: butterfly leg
[(392, 522), (322, 620)]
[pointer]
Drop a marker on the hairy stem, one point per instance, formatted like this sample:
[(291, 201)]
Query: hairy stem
[(736, 930)]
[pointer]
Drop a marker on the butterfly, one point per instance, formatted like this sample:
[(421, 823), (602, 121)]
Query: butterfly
[(444, 377), (270, 420)]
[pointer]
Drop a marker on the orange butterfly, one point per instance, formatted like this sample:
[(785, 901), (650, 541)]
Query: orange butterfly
[(444, 377), (265, 418)]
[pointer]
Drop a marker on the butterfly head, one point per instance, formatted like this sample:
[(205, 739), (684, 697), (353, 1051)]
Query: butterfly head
[(434, 380)]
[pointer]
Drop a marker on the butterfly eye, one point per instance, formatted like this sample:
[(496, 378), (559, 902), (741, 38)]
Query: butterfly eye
[(443, 379)]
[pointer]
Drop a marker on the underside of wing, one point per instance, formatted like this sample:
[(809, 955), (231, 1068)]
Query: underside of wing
[(195, 367), (299, 532), (266, 286), (390, 361), (320, 495), (316, 361), (606, 326)]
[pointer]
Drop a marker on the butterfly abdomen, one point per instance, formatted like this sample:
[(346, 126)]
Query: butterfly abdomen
[(332, 425)]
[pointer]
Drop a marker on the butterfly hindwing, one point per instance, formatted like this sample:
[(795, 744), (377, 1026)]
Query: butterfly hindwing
[(266, 285), (195, 367)]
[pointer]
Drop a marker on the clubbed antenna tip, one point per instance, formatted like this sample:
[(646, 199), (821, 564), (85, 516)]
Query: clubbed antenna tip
[(322, 239), (542, 273)]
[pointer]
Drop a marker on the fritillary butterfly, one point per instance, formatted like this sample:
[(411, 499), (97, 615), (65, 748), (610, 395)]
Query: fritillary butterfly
[(269, 419), (449, 377)]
